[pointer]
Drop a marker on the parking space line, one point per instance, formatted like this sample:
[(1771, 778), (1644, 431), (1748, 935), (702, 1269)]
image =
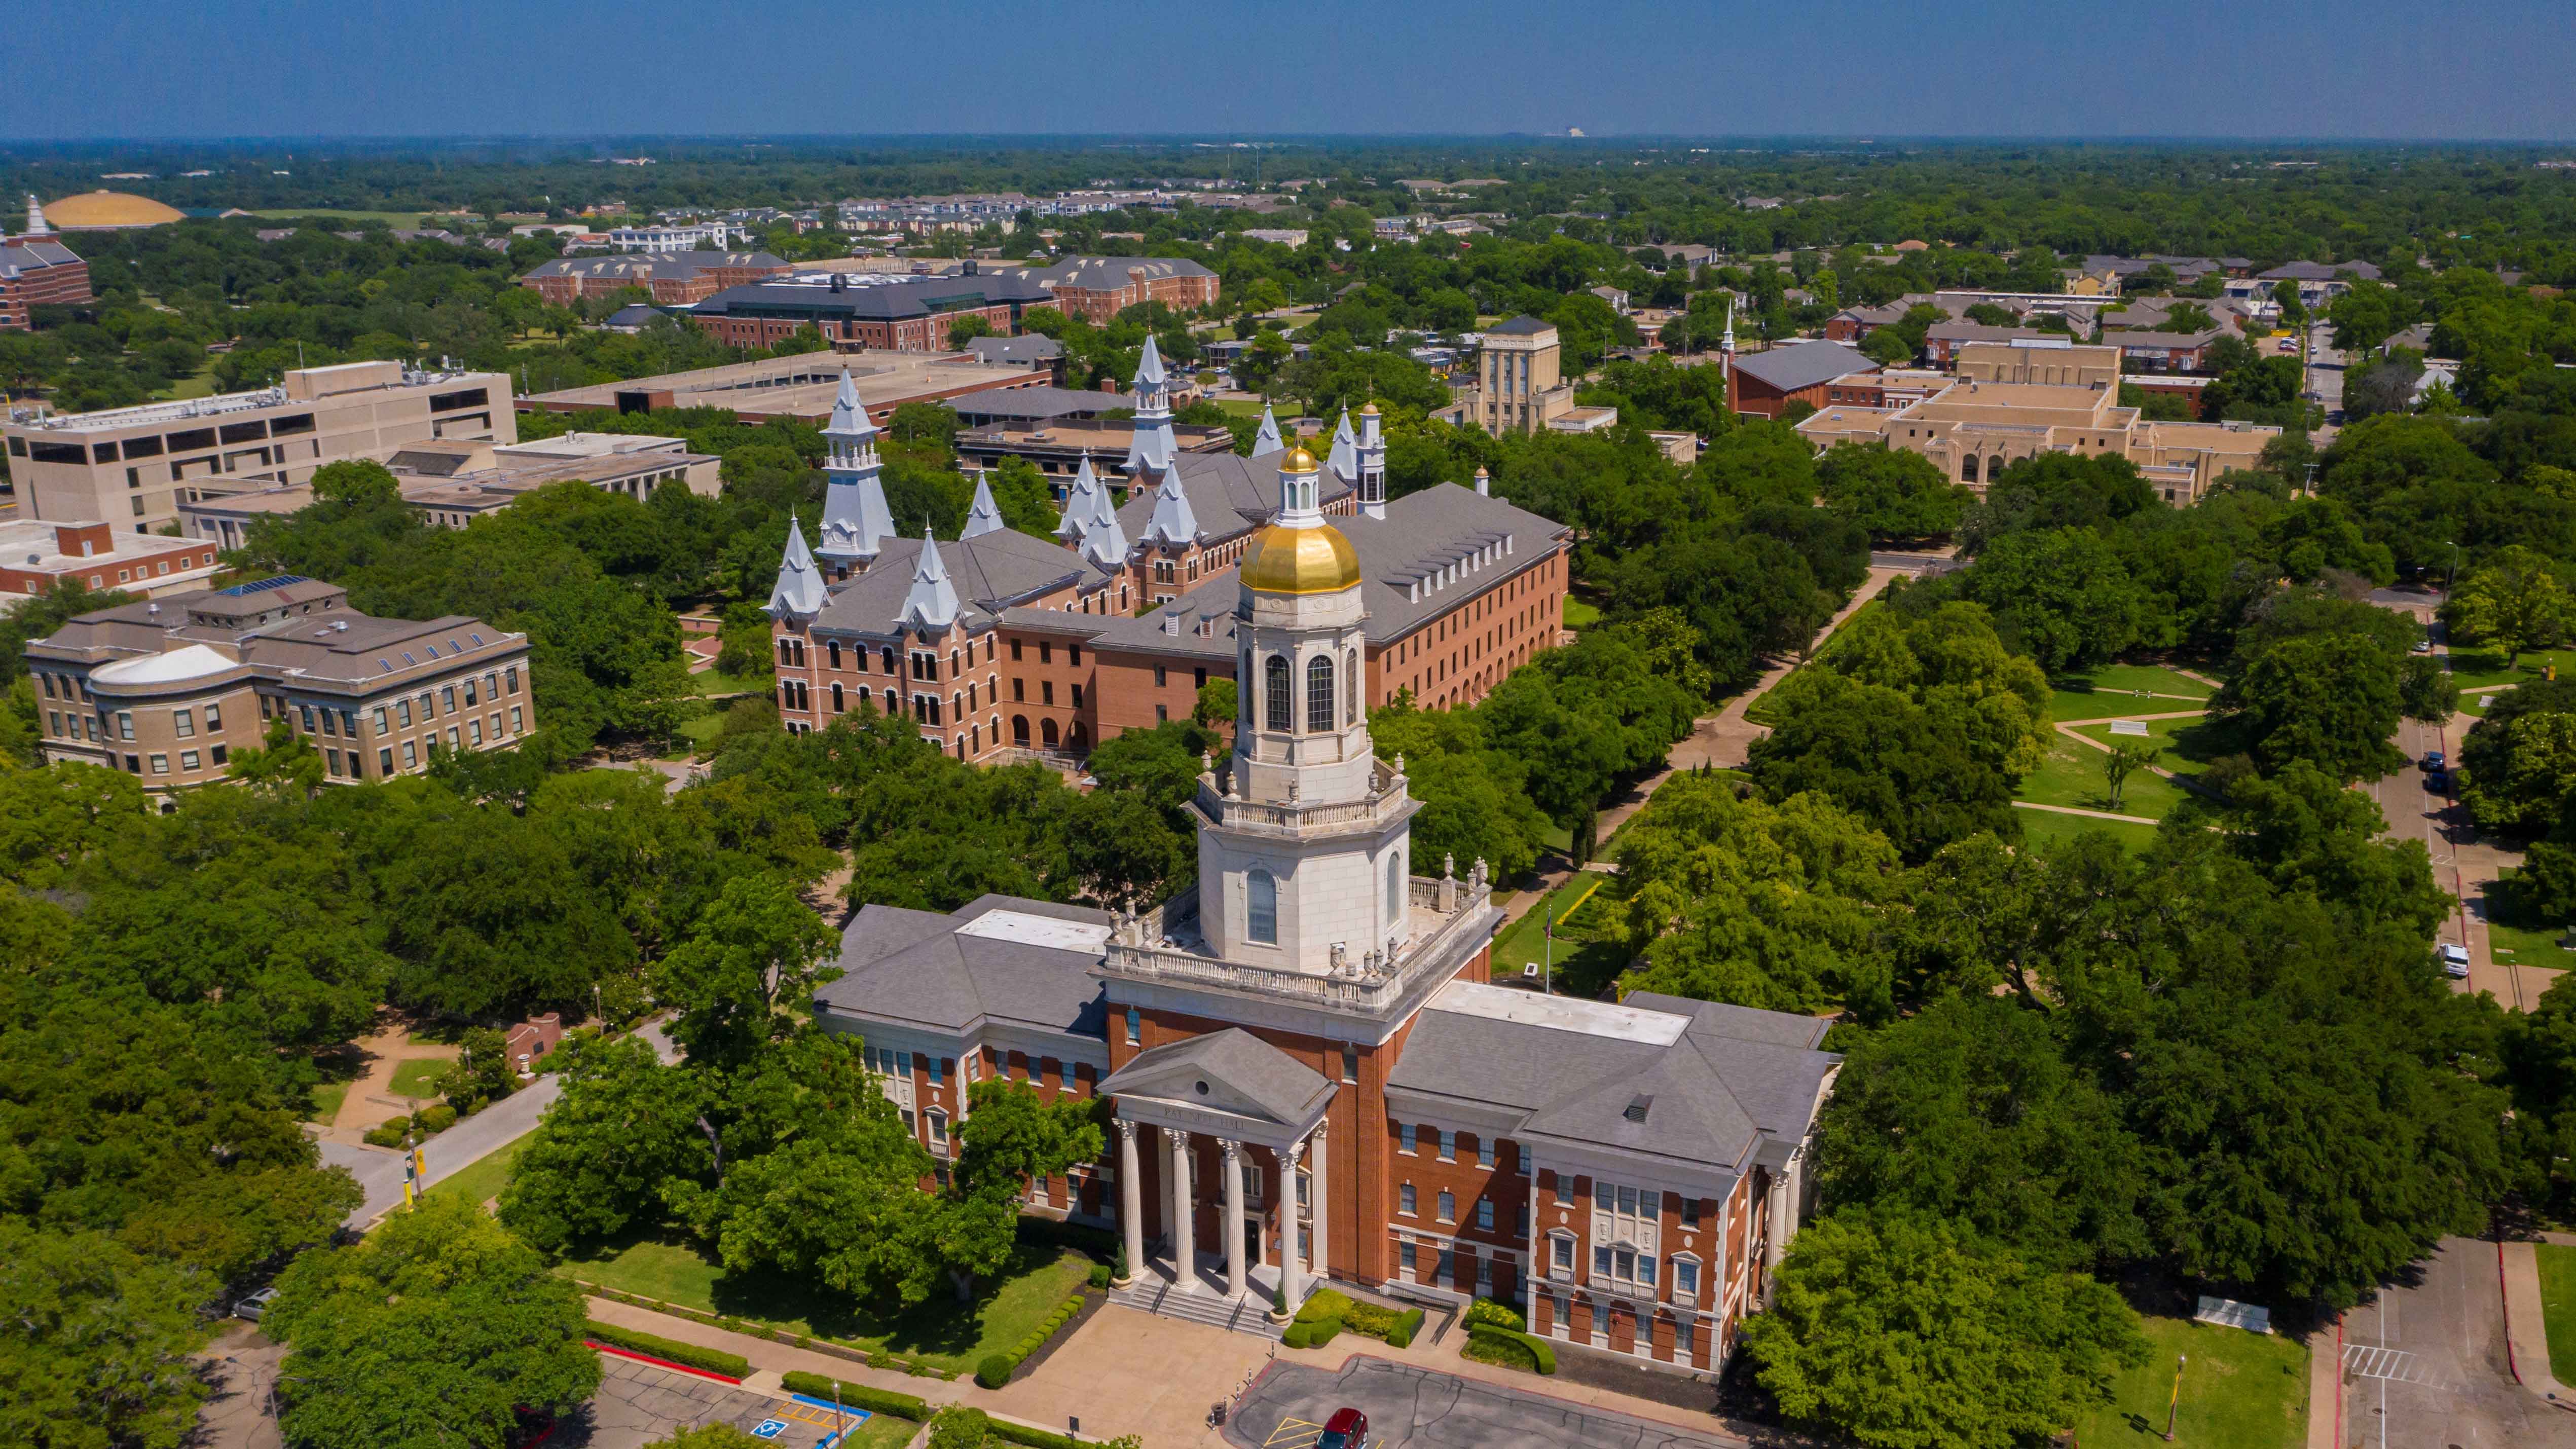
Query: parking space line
[(1294, 1434)]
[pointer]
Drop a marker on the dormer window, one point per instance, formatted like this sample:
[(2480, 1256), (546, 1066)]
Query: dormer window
[(1637, 1107)]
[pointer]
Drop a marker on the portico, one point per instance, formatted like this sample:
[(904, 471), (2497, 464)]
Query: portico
[(1234, 1105)]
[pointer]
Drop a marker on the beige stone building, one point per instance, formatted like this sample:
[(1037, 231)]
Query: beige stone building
[(2014, 401), (168, 690), (134, 467), (1519, 387)]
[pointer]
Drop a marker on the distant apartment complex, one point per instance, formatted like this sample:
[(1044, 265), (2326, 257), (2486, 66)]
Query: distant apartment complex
[(672, 278), (2020, 399), (169, 690), (134, 467), (454, 483)]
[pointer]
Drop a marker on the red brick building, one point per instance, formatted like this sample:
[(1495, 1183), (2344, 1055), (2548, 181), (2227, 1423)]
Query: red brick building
[(1099, 288), (673, 278), (37, 270), (1765, 383)]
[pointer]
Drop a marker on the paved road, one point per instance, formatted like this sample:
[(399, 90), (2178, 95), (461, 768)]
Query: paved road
[(2424, 1364), (1416, 1408), (2325, 374)]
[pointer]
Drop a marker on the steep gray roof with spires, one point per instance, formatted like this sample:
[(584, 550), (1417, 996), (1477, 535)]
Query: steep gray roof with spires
[(989, 573), (1172, 521), (1267, 440), (1075, 521), (799, 590), (1227, 494), (985, 516), (1344, 460), (932, 601)]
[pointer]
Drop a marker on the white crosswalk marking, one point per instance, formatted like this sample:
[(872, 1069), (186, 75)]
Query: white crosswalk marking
[(2371, 1362)]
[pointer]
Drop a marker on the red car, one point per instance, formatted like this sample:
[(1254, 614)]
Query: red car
[(1347, 1429)]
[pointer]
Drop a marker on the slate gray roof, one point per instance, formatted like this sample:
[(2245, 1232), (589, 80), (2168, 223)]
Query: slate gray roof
[(1035, 404), (2320, 272), (1984, 332), (1734, 1080), (1804, 364), (2141, 337), (1521, 326), (1102, 272), (646, 265), (1015, 351), (990, 572), (1272, 1080), (1227, 494), (913, 967), (903, 297)]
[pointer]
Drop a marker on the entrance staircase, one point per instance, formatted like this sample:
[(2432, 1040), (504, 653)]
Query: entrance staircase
[(1153, 1293)]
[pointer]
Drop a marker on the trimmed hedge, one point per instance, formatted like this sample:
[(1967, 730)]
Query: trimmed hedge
[(876, 1358), (996, 1368), (436, 1118), (1325, 1303), (1407, 1324), (1329, 1311), (857, 1396), (1100, 1275), (1003, 1430), (1312, 1333), (713, 1360), (389, 1133), (1498, 1314), (1540, 1353)]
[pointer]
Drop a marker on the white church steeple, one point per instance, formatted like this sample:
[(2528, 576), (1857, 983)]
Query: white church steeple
[(856, 521)]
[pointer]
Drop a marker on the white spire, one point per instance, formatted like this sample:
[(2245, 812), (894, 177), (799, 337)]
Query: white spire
[(36, 223), (932, 604), (1344, 461), (1267, 440), (1726, 346), (856, 520), (1151, 446), (1173, 522), (1149, 367), (799, 592), (1077, 503), (984, 517), (1372, 461), (1103, 541)]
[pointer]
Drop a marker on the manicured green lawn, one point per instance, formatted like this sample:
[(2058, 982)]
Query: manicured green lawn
[(2072, 775), (879, 1431), (1240, 407), (406, 220), (481, 1180), (418, 1076), (2184, 745), (327, 1098), (1527, 939), (2558, 1303), (717, 682), (2046, 830), (1580, 615), (700, 729), (2111, 692), (2519, 935), (200, 383), (941, 1331), (2473, 667), (2240, 1390)]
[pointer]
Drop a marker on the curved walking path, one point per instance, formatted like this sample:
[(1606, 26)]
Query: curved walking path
[(2089, 814), (1722, 740), (2073, 730)]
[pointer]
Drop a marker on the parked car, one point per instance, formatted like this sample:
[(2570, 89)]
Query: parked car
[(1347, 1429), (2437, 781), (2455, 958), (2434, 761), (2421, 646), (256, 1304)]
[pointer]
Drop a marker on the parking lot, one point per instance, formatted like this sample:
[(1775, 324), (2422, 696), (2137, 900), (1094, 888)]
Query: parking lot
[(1416, 1408), (2424, 1364)]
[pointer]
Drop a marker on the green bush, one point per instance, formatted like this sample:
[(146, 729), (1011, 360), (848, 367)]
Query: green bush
[(1010, 1433), (995, 1370), (1312, 1332), (1495, 1312), (1510, 1348), (857, 1396), (436, 1118), (1407, 1324), (388, 1134), (731, 1365), (1100, 1275), (1324, 1303)]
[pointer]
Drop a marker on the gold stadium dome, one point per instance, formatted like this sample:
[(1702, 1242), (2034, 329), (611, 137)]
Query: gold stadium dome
[(1315, 560), (108, 211)]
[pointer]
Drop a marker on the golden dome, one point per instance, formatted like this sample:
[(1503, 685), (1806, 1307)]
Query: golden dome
[(1369, 411), (1301, 561), (1299, 461), (106, 210)]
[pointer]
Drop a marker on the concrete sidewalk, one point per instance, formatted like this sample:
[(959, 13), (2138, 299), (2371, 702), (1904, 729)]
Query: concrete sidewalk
[(2526, 1330)]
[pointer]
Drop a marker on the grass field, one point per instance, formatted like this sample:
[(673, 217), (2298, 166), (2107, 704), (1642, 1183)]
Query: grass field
[(717, 682), (2516, 934), (2183, 745), (418, 1076), (2240, 1390), (326, 1102), (2072, 775), (879, 1431), (700, 728), (2112, 692), (1526, 940), (941, 1331), (1240, 407), (2045, 830), (407, 220), (1580, 615), (2473, 667), (481, 1180), (2558, 1301), (200, 383)]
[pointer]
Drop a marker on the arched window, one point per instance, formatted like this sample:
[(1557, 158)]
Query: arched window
[(1351, 688), (1968, 469), (1394, 886), (1262, 892), (1319, 695), (1046, 732), (1019, 729), (1274, 692)]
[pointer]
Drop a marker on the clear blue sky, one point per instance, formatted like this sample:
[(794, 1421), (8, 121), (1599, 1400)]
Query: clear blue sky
[(2497, 69)]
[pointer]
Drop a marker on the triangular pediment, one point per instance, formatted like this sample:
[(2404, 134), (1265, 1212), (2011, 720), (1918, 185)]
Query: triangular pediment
[(1230, 1071)]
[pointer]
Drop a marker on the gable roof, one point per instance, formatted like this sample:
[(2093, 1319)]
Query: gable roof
[(1283, 1088), (1803, 365)]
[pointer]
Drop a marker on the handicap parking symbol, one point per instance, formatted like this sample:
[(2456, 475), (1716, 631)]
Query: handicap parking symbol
[(770, 1429)]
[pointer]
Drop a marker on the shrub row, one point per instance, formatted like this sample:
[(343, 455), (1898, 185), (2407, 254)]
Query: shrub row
[(1329, 1311), (1312, 1333), (1001, 1429), (996, 1368), (1495, 1312), (875, 1358), (714, 1361), (426, 1123), (856, 1396), (1519, 1349)]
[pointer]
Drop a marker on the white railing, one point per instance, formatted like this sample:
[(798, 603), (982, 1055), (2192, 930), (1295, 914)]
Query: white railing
[(1366, 993)]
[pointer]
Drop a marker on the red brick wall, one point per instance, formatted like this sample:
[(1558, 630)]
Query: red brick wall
[(1460, 656), (65, 286)]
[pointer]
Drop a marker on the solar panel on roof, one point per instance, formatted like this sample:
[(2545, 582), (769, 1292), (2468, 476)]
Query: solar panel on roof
[(262, 586)]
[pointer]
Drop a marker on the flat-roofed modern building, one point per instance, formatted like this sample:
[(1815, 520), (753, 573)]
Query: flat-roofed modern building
[(36, 555), (134, 467), (872, 310), (168, 690), (1976, 427), (803, 386)]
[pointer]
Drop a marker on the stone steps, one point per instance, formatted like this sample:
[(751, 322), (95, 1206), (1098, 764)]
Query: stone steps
[(1155, 1295)]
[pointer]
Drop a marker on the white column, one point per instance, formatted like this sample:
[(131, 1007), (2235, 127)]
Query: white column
[(1131, 1200), (1185, 1254), (1774, 1226), (1291, 1262), (1797, 1196), (1323, 1255), (1231, 1154)]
